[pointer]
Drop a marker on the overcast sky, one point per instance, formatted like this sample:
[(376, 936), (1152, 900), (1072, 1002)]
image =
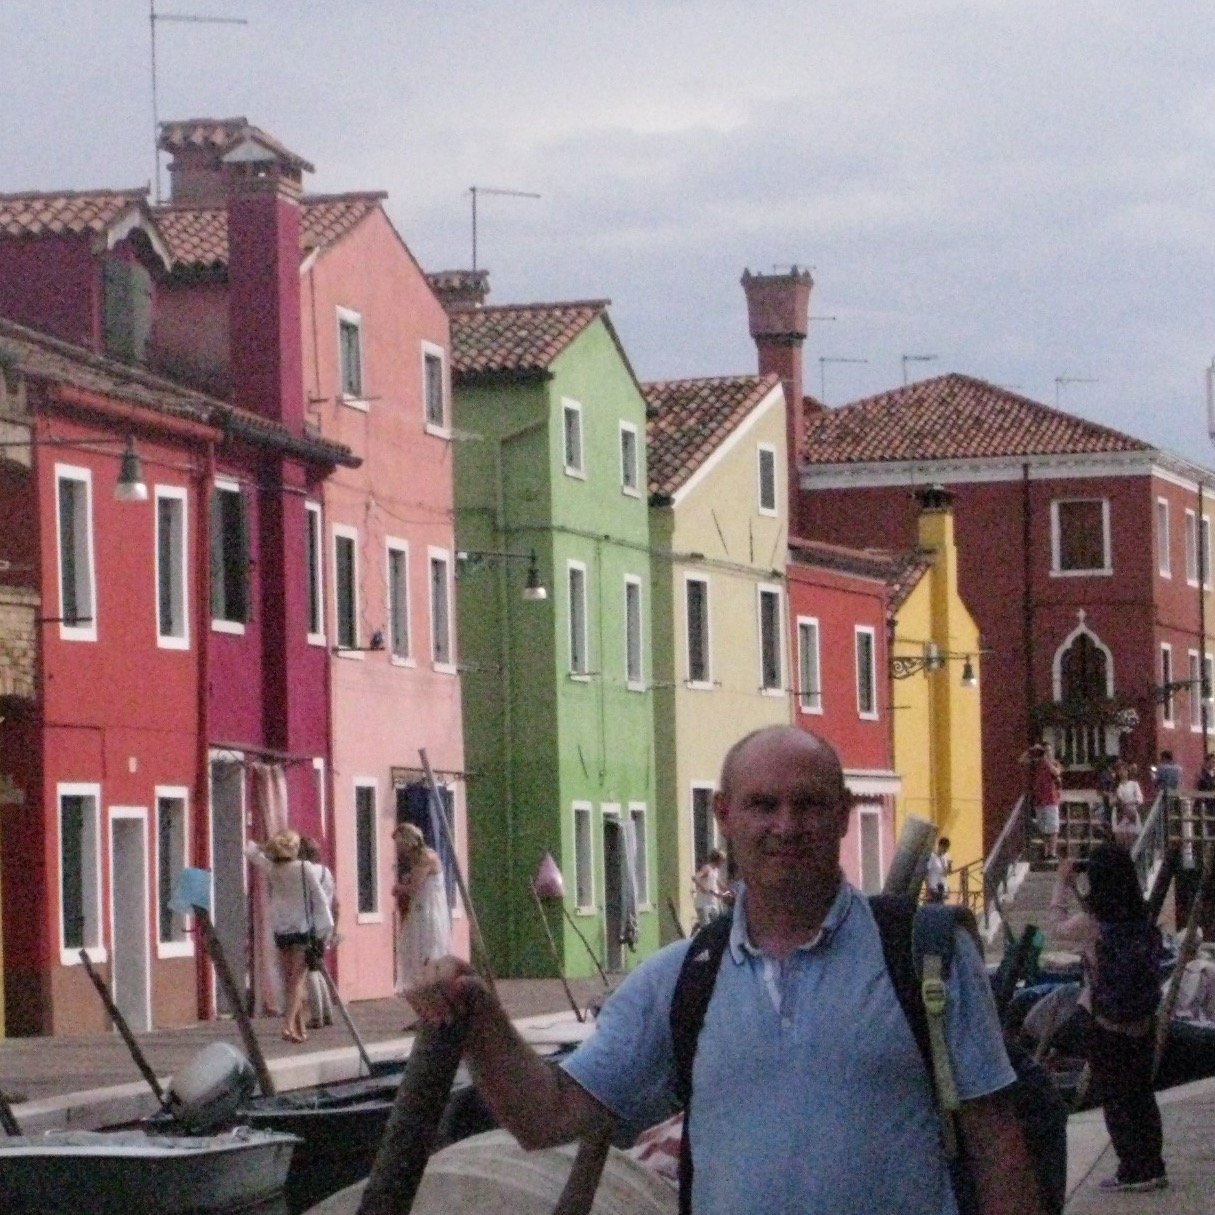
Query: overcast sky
[(1024, 189)]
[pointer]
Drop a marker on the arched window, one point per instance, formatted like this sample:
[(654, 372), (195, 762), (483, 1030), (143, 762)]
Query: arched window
[(1083, 670)]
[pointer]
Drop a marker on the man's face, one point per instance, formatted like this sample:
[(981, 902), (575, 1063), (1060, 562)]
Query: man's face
[(785, 814)]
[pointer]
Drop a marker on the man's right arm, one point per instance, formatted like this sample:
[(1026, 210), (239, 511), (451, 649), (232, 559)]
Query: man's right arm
[(537, 1102)]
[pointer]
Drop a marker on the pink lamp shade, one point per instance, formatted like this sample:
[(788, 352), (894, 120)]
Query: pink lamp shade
[(548, 882)]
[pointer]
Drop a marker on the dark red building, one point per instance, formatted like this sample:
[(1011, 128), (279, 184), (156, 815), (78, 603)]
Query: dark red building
[(1081, 552)]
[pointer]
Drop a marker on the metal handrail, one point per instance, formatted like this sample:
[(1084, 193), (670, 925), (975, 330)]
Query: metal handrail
[(1149, 848), (970, 885), (1005, 852)]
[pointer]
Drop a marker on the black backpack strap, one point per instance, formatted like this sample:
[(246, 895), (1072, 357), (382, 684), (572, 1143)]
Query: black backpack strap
[(895, 916), (689, 1003)]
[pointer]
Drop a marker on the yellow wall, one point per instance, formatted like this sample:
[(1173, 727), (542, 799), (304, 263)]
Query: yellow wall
[(715, 516), (937, 731)]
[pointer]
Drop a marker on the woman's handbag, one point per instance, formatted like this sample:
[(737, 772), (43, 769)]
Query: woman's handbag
[(314, 947)]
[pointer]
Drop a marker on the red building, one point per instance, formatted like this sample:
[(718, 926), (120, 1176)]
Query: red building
[(1081, 551), (95, 271)]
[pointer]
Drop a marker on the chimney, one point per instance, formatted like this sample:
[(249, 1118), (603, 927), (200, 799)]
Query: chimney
[(264, 283), (778, 312), (460, 290)]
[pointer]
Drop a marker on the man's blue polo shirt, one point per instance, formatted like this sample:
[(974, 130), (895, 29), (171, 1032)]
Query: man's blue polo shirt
[(809, 1092)]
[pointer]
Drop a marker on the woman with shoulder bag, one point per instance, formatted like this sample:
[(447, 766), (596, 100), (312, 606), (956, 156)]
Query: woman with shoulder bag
[(1120, 951), (298, 911)]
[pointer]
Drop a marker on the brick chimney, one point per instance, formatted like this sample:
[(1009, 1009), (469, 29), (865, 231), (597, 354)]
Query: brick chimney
[(778, 312), (264, 283), (460, 290)]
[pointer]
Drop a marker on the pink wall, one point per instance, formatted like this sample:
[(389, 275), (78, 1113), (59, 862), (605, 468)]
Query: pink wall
[(383, 710)]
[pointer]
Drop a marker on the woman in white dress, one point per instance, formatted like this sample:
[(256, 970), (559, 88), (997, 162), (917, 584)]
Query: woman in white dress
[(425, 930), (1128, 806)]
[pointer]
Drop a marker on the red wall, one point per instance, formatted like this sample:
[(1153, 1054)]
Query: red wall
[(52, 283)]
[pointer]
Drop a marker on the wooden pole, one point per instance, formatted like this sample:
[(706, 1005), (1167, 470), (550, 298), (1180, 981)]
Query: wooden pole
[(578, 1195), (683, 936), (327, 978), (224, 974), (414, 1120), (552, 947), (474, 928), (8, 1120), (120, 1023), (594, 956)]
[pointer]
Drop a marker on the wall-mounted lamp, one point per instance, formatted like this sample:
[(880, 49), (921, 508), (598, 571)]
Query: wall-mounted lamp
[(533, 587), (130, 486), (1166, 691), (375, 645), (933, 658)]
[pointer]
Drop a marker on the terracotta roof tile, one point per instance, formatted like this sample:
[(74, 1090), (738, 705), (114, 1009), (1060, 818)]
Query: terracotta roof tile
[(689, 419), (952, 417), (65, 211), (517, 338), (221, 135), (877, 563), (198, 236)]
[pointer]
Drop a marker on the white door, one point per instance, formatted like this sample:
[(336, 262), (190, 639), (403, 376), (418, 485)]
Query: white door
[(870, 824), (130, 926), (229, 900)]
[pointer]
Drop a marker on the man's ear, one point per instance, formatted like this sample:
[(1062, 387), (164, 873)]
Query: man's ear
[(721, 811)]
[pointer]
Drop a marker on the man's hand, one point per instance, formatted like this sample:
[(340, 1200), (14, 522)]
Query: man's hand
[(447, 990)]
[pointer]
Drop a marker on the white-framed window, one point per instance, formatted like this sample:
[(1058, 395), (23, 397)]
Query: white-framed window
[(696, 614), (346, 589), (316, 580), (1195, 690), (630, 460), (576, 601), (1164, 555), (641, 853), (172, 618), (1191, 548), (441, 652), (571, 438), (766, 456), (172, 856), (869, 847), (77, 571), (634, 669), (866, 672), (809, 666), (230, 597), (705, 836), (434, 389), (398, 601), (350, 357), (771, 666), (584, 858), (1166, 678), (366, 850), (79, 873), (1080, 536)]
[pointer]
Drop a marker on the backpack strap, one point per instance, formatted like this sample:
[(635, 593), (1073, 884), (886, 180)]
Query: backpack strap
[(689, 1003)]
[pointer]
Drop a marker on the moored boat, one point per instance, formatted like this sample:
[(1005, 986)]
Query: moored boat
[(121, 1172)]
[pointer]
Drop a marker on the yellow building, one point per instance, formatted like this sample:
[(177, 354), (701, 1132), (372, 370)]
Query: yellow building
[(935, 657), (719, 537)]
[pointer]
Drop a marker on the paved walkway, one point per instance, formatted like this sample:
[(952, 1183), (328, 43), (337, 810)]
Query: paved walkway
[(90, 1081)]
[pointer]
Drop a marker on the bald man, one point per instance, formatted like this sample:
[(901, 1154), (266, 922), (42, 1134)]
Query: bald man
[(810, 1094)]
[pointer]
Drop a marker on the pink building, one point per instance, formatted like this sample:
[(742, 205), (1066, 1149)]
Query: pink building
[(368, 363)]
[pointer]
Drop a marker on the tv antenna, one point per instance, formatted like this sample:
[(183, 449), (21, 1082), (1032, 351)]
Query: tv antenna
[(1061, 380), (178, 19), (474, 191), (916, 358), (823, 360)]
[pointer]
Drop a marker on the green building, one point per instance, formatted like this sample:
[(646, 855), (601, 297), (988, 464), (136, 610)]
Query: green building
[(550, 484)]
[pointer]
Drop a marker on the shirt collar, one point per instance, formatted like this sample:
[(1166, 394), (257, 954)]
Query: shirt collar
[(740, 938)]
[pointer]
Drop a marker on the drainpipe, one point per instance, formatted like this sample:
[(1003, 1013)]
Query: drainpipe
[(1204, 685), (202, 582), (1027, 599)]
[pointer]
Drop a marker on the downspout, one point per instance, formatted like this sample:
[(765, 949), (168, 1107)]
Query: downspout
[(1027, 601), (202, 798), (1204, 684)]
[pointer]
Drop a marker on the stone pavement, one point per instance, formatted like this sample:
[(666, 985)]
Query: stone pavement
[(90, 1081)]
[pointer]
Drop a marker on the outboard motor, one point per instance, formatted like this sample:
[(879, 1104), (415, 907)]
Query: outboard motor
[(206, 1094)]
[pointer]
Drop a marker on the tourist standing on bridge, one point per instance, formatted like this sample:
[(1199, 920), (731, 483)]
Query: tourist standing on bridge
[(1047, 791), (810, 1094)]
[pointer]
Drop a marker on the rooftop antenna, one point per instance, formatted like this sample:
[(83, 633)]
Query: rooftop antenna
[(822, 372), (916, 358), (180, 19), (1061, 380), (474, 191)]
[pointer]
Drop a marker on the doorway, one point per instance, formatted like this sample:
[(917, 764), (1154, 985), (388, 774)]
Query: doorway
[(229, 898), (613, 890), (869, 822), (130, 930)]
